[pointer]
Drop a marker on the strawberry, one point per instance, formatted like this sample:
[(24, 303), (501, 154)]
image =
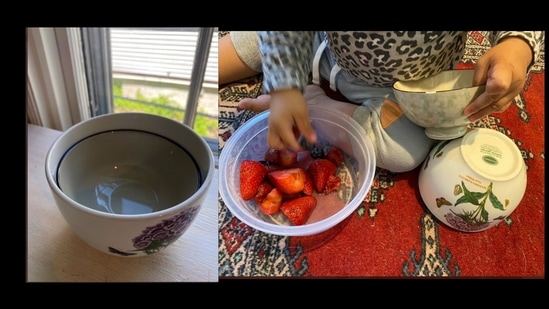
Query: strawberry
[(303, 159), (299, 210), (320, 170), (271, 167), (289, 181), (335, 155), (332, 184), (264, 188), (308, 187), (287, 157), (251, 175), (271, 155), (271, 203), (287, 197)]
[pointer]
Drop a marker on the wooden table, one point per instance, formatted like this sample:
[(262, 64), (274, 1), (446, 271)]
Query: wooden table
[(56, 254)]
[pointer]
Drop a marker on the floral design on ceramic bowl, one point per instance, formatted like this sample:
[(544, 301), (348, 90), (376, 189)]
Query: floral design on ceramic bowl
[(474, 182), (476, 219), (436, 103), (154, 238)]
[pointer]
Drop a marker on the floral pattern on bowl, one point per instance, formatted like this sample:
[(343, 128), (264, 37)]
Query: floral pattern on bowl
[(155, 238), (474, 182), (436, 103)]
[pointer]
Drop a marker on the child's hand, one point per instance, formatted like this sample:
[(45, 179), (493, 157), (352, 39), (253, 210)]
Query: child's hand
[(288, 113), (503, 70)]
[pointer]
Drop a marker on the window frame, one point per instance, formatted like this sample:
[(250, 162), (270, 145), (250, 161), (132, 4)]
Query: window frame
[(68, 82)]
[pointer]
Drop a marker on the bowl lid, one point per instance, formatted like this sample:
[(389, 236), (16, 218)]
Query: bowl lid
[(491, 154)]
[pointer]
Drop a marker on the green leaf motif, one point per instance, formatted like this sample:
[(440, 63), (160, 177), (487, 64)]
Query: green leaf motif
[(439, 148), (468, 196), (469, 218), (479, 216), (156, 245), (495, 202), (484, 215), (479, 195)]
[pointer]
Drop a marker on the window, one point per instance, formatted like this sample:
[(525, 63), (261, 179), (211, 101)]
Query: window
[(167, 71), (77, 73)]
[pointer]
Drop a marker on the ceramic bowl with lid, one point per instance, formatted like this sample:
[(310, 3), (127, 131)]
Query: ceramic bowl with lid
[(474, 182), (436, 103)]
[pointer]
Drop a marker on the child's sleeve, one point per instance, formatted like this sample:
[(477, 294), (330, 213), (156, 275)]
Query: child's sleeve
[(285, 59)]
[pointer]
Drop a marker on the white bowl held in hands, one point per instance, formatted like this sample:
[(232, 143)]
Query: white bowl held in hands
[(436, 103), (474, 182), (336, 128), (129, 184)]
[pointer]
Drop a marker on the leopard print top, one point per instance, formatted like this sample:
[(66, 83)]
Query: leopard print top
[(379, 58)]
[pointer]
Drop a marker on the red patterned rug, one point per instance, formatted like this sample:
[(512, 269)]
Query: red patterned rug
[(392, 234)]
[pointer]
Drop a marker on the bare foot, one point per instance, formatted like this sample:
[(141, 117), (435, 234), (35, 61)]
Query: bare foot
[(313, 94), (316, 95), (259, 104)]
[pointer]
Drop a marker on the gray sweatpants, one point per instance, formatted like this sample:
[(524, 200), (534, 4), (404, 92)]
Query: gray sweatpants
[(399, 144)]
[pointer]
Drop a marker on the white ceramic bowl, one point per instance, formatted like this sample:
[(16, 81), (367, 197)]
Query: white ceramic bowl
[(474, 182), (336, 128), (437, 103), (129, 184)]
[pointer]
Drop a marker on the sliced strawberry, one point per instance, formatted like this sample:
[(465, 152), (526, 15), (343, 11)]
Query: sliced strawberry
[(304, 159), (251, 175), (287, 157), (290, 180), (332, 184), (287, 197), (264, 188), (271, 203), (308, 187), (271, 167), (335, 155), (299, 210), (320, 170), (271, 155)]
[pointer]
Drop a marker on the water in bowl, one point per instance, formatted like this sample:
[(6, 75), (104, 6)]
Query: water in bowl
[(128, 172)]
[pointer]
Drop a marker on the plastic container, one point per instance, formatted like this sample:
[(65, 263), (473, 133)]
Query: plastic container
[(250, 142)]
